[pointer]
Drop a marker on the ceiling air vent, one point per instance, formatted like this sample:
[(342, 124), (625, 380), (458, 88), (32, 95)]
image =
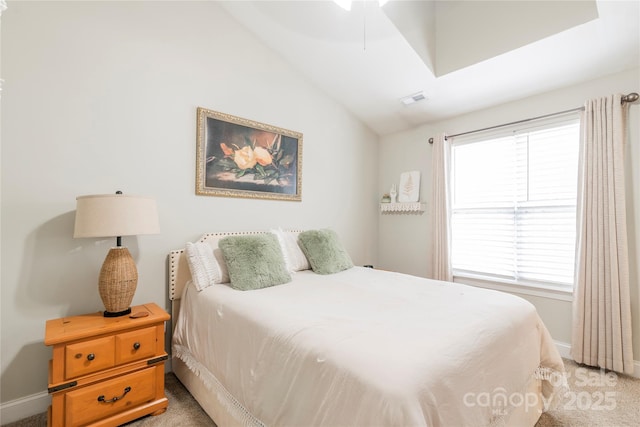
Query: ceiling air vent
[(408, 100)]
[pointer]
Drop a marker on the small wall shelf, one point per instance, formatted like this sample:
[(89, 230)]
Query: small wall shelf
[(400, 208)]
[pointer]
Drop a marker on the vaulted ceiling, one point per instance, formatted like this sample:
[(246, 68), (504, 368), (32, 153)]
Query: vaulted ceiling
[(462, 55)]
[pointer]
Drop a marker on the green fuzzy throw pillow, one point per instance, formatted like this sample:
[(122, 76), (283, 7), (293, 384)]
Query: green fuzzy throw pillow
[(324, 251), (254, 262)]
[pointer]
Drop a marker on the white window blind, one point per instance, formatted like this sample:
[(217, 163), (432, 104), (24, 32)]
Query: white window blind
[(514, 203)]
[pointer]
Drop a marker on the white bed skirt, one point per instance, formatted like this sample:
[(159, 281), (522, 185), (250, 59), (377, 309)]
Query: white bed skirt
[(207, 399), (522, 416)]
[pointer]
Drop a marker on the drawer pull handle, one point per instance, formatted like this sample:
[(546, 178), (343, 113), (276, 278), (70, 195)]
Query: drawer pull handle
[(136, 345), (91, 356), (116, 398)]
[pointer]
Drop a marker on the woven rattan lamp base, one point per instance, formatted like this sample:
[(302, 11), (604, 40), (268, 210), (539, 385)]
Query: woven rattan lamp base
[(118, 282)]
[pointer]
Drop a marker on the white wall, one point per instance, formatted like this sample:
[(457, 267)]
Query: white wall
[(102, 96), (404, 241)]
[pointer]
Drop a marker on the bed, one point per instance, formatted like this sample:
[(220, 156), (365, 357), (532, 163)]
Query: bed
[(359, 347)]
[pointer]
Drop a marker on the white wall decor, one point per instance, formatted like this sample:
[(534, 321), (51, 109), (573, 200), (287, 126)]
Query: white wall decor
[(409, 190), (388, 208)]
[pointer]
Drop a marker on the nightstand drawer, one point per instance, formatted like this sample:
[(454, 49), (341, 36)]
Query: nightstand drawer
[(135, 345), (99, 401), (89, 356)]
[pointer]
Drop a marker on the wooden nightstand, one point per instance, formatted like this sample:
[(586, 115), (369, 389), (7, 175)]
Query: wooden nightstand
[(106, 371)]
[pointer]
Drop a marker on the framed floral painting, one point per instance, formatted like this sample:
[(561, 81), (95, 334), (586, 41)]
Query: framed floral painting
[(237, 157)]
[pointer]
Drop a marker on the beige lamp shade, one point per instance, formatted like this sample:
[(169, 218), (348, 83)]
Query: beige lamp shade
[(115, 215), (112, 215)]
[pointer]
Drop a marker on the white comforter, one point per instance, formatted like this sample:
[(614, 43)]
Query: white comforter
[(363, 348)]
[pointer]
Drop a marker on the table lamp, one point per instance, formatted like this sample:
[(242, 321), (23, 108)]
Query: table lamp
[(116, 215)]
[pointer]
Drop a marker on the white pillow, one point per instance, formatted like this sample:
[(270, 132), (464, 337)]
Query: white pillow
[(205, 268), (294, 258), (222, 265)]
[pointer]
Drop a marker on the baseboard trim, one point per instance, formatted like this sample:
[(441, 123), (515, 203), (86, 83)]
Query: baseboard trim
[(565, 351), (18, 409)]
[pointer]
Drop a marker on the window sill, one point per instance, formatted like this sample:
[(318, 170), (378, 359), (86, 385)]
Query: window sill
[(549, 291)]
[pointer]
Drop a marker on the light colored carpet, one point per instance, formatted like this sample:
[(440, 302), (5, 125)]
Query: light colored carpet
[(594, 399)]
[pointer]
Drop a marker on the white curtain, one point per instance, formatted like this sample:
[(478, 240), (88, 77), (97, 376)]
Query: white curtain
[(440, 210), (602, 307)]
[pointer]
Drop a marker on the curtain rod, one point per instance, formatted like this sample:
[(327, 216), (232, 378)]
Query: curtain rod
[(632, 97)]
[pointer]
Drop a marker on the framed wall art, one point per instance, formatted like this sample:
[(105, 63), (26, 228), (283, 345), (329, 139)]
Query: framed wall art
[(237, 157), (409, 190)]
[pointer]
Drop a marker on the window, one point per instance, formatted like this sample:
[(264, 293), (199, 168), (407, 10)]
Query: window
[(514, 204)]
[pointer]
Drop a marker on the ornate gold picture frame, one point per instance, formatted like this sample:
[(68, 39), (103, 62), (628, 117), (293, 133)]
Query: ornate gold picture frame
[(237, 157)]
